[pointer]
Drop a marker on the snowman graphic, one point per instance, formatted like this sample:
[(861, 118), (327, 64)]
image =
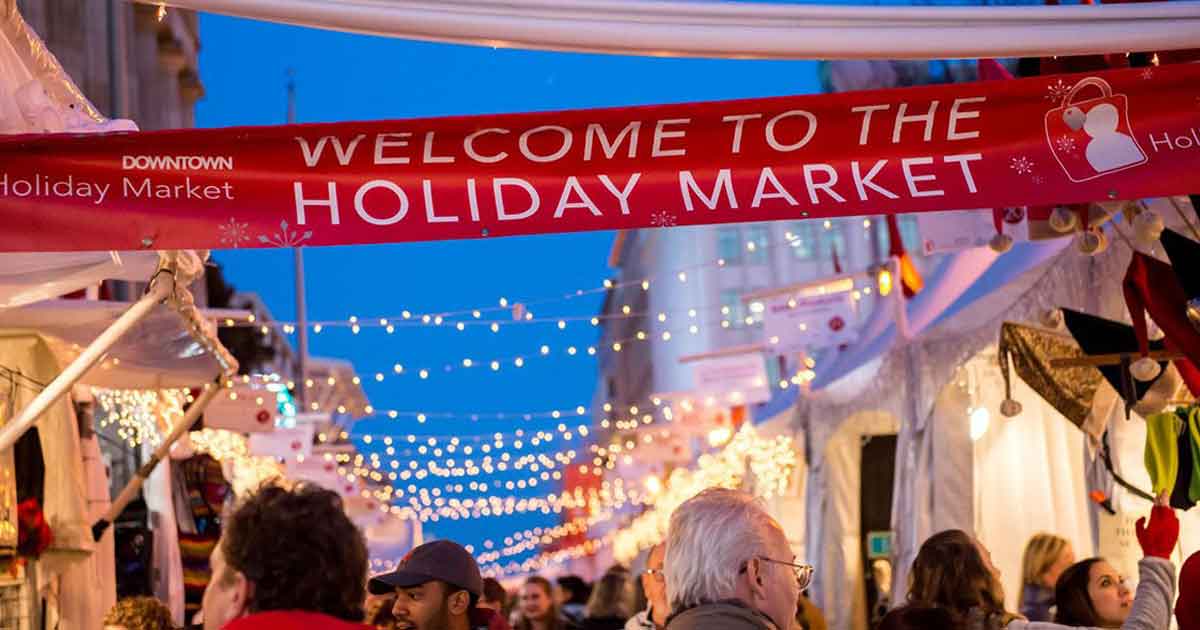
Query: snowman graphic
[(1100, 126)]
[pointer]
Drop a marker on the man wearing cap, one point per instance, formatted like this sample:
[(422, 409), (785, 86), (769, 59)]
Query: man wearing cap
[(437, 586)]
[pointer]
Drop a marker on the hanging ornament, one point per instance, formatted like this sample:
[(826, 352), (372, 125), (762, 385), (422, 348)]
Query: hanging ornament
[(1010, 408), (1092, 241), (1148, 226), (1145, 369), (1063, 219), (1001, 243), (1051, 318)]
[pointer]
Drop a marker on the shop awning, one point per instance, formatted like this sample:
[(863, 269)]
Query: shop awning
[(160, 352)]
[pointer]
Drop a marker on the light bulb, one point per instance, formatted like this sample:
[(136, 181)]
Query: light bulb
[(980, 417)]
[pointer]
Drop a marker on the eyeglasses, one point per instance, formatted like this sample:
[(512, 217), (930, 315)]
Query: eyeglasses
[(804, 572)]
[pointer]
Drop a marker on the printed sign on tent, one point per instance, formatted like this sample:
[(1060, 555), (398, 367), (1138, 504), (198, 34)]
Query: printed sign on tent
[(947, 232), (1091, 138), (253, 411), (919, 149), (315, 470), (732, 380), (283, 443), (794, 324)]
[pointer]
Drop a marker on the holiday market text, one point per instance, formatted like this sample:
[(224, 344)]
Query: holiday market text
[(1046, 140)]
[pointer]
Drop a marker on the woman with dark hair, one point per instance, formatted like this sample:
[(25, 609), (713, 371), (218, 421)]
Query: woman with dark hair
[(954, 572), (1092, 593), (918, 618)]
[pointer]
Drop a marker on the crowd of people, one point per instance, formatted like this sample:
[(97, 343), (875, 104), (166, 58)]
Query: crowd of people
[(290, 559)]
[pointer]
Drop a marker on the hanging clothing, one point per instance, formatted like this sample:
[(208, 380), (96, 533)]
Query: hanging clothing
[(1181, 493), (1193, 430), (1162, 450), (207, 491)]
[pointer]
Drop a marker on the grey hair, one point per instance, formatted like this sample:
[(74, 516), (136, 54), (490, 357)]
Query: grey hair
[(710, 538)]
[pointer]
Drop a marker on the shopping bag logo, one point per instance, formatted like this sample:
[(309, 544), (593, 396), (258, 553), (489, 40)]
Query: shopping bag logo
[(1092, 138)]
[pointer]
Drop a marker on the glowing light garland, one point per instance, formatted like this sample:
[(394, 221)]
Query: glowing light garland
[(764, 466), (519, 309), (248, 472), (140, 416)]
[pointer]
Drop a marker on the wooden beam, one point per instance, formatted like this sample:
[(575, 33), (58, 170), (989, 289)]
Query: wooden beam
[(1097, 360)]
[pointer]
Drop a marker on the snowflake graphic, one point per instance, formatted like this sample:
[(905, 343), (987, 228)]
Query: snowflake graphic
[(1022, 165), (1066, 144), (1039, 180), (662, 219), (1147, 73), (284, 238), (233, 234), (1057, 91)]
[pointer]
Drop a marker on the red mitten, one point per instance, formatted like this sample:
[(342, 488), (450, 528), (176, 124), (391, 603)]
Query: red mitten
[(1158, 539)]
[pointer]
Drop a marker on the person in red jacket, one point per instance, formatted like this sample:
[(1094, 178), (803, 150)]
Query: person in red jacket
[(1187, 609), (437, 587), (288, 559)]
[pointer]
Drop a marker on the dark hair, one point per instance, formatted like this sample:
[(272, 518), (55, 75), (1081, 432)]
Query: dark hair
[(918, 618), (580, 592), (949, 573), (299, 549), (1071, 595), (493, 591)]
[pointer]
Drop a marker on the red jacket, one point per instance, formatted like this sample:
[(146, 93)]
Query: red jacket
[(292, 620), (486, 618)]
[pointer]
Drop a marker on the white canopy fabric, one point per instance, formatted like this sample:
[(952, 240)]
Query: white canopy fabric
[(28, 278), (162, 352), (745, 30)]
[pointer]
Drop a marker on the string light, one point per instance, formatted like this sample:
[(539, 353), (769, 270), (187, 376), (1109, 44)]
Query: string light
[(504, 304), (140, 416)]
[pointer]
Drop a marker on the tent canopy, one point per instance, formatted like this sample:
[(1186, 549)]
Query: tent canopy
[(161, 352), (28, 278)]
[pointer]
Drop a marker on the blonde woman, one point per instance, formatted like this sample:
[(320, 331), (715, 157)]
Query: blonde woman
[(1046, 557), (139, 613), (608, 607)]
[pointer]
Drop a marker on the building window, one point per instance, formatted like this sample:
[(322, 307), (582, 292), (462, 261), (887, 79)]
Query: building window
[(803, 240), (833, 237), (729, 244), (732, 308), (757, 242)]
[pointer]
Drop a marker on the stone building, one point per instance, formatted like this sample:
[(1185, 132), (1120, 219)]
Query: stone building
[(133, 61)]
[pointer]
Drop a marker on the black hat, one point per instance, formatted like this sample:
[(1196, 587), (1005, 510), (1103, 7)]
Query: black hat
[(1098, 335), (442, 560)]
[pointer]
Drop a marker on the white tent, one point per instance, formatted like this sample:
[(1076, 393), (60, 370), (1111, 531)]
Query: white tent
[(744, 30), (924, 385)]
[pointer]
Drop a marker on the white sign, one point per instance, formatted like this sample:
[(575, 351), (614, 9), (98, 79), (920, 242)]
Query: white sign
[(316, 470), (283, 443), (732, 380), (794, 324), (1118, 542), (252, 411), (943, 232)]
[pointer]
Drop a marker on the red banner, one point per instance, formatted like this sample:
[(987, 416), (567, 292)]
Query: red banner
[(1057, 139)]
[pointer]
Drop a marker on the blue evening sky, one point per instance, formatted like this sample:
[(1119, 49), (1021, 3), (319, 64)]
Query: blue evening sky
[(343, 77)]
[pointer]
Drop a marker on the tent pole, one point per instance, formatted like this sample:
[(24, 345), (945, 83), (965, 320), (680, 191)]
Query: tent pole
[(160, 289), (131, 489)]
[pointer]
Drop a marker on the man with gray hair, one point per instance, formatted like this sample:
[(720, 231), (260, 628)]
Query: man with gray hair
[(729, 566)]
